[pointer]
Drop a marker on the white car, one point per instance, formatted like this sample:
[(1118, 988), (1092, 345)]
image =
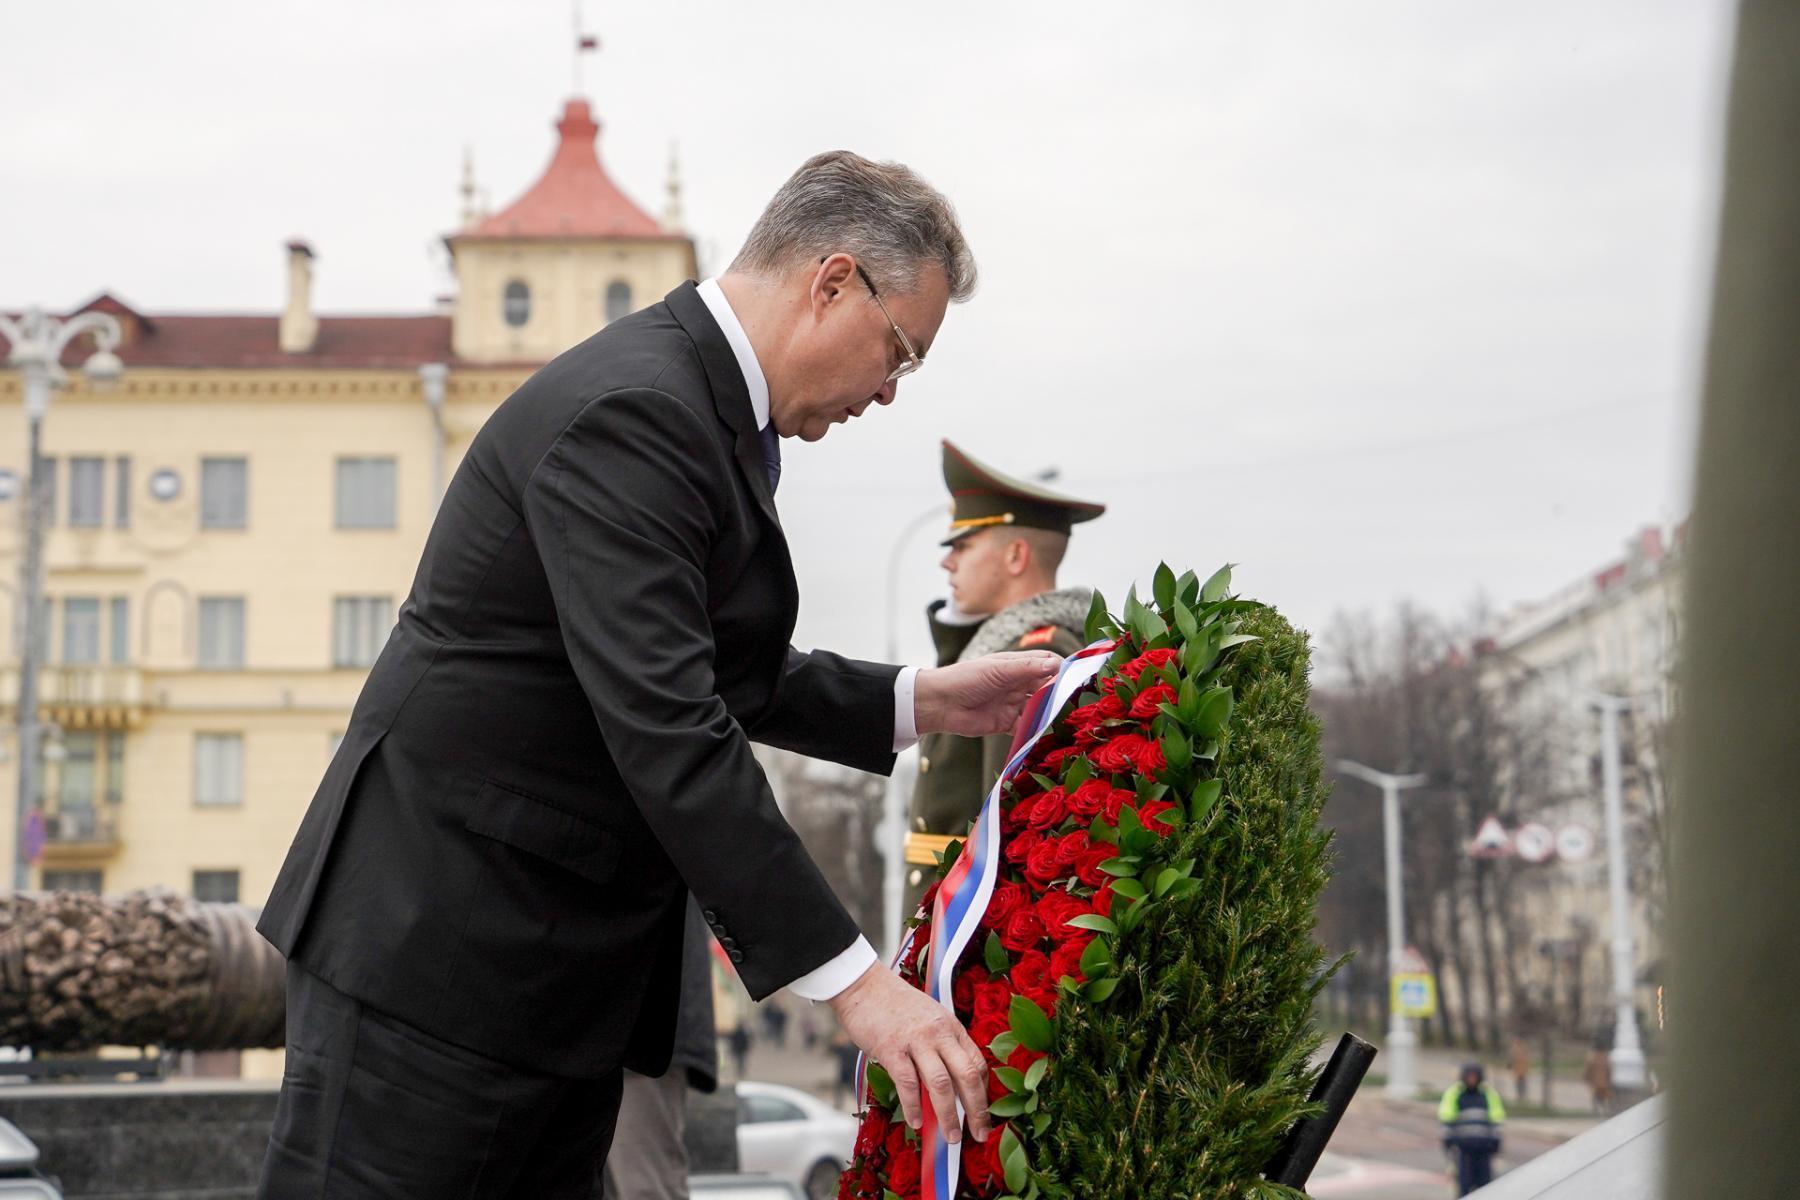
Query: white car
[(789, 1134)]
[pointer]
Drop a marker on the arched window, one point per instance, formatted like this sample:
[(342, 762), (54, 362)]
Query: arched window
[(618, 300), (518, 303)]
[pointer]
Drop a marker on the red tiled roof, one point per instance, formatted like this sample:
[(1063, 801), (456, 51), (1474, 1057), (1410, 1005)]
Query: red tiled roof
[(573, 198), (240, 341)]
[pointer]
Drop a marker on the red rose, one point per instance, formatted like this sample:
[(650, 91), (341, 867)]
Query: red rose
[(1147, 814), (930, 896), (993, 999), (988, 1027), (1033, 979), (1018, 848), (1068, 849), (1043, 864), (903, 1172), (872, 1136), (1056, 759), (981, 1163), (1049, 809), (1014, 815), (1023, 931), (1023, 1056), (1103, 899), (1117, 800), (1119, 754), (1088, 868), (962, 989), (1149, 658), (1056, 909), (1007, 899), (1066, 958), (1088, 799), (1144, 707), (1148, 758)]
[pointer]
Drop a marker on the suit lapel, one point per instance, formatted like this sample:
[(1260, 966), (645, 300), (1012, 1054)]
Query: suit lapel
[(730, 394)]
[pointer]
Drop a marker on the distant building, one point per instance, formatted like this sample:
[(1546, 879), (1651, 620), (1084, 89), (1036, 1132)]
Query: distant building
[(234, 525), (1616, 631)]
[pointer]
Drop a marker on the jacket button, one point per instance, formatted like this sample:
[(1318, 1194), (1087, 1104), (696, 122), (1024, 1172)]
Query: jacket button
[(924, 764), (726, 943), (737, 956), (712, 918)]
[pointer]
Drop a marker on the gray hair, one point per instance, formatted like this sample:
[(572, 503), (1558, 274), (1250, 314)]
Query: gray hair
[(890, 220)]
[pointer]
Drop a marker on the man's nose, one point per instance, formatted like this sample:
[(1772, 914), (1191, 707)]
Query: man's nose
[(888, 391)]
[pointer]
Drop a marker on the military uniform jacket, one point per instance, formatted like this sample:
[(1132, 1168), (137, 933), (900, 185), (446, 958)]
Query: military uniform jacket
[(955, 773)]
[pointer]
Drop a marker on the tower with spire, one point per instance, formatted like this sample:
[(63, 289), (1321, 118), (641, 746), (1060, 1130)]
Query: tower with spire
[(571, 254)]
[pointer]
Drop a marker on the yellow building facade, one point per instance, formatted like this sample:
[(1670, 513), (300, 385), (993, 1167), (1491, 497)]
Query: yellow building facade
[(234, 525)]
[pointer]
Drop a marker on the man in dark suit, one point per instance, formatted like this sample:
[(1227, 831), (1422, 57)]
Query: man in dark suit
[(483, 907)]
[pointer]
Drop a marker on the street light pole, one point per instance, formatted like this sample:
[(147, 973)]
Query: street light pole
[(1401, 1041), (1627, 1058), (38, 341)]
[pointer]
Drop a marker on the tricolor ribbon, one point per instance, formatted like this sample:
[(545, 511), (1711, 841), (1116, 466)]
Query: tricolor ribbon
[(963, 897)]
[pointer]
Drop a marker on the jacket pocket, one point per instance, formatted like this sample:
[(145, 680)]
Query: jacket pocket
[(541, 829)]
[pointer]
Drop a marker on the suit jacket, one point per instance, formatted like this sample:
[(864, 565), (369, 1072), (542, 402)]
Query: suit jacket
[(552, 748)]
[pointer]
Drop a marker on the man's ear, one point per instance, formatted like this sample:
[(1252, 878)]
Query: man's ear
[(1018, 556), (831, 283)]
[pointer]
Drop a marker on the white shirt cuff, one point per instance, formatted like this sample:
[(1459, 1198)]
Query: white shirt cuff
[(827, 981), (906, 721)]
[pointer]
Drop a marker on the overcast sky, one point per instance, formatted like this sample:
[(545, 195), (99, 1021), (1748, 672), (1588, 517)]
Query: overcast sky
[(1382, 300)]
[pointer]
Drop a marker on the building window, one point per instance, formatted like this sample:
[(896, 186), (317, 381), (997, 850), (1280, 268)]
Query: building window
[(216, 887), (218, 770), (224, 493), (72, 881), (120, 648), (79, 773), (122, 493), (517, 306), (618, 300), (359, 626), (365, 493), (81, 630), (115, 768), (87, 492), (221, 633)]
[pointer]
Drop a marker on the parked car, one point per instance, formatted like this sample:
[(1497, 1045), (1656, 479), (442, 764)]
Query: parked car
[(791, 1135), (742, 1187)]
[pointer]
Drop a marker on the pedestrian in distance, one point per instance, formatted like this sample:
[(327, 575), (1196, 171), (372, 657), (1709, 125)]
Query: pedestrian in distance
[(1472, 1115)]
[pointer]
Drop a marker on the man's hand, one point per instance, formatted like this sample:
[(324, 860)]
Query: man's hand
[(982, 696), (917, 1041)]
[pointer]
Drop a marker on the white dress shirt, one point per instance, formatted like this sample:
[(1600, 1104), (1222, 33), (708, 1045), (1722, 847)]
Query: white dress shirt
[(840, 972)]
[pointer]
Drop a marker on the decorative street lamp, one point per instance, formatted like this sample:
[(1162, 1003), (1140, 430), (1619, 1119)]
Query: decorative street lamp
[(38, 341), (1627, 1057), (1401, 1041)]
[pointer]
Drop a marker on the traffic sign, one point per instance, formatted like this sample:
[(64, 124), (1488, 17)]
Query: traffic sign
[(1414, 994), (1575, 843), (1534, 843), (1491, 840)]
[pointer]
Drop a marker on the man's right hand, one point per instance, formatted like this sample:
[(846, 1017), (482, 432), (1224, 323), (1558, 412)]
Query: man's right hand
[(917, 1041)]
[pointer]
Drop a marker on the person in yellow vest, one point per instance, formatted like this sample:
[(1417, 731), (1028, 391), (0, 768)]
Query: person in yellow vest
[(1006, 541), (1472, 1115)]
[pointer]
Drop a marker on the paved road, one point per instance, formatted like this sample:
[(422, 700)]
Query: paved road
[(1383, 1150)]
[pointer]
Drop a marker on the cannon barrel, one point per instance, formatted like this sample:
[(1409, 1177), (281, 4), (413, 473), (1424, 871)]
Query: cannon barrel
[(146, 968)]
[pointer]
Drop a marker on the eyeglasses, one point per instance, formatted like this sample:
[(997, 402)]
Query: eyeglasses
[(913, 360)]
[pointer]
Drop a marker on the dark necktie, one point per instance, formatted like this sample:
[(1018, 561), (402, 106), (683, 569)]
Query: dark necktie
[(771, 447)]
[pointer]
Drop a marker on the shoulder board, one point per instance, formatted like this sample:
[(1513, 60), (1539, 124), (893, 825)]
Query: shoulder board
[(1038, 637)]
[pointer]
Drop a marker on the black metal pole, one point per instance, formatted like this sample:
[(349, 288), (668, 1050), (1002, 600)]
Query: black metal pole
[(1293, 1164)]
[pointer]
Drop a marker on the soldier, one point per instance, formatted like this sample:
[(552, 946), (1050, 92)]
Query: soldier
[(1007, 538)]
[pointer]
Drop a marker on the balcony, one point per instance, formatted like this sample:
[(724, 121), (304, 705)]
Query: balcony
[(82, 697), (80, 834)]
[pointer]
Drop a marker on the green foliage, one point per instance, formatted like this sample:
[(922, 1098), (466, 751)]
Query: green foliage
[(1184, 1059)]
